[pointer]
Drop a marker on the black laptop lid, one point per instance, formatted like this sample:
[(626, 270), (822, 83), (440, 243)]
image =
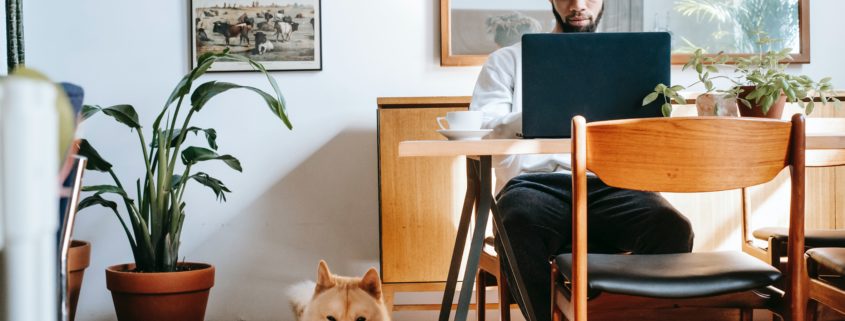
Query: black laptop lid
[(601, 76)]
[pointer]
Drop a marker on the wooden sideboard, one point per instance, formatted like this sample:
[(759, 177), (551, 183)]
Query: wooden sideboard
[(420, 198)]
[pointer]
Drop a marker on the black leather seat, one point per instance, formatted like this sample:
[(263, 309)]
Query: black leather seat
[(684, 275), (832, 258), (812, 238)]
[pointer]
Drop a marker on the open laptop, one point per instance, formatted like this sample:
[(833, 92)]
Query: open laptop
[(601, 76)]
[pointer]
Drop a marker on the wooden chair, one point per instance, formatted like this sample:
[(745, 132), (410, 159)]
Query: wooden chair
[(684, 155), (489, 270), (826, 268), (773, 250), (775, 240)]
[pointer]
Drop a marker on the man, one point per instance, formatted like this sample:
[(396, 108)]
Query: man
[(535, 190)]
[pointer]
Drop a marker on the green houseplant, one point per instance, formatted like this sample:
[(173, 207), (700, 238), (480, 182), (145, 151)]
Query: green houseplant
[(758, 81), (156, 210)]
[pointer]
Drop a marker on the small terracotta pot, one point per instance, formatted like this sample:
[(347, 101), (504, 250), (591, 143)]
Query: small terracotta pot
[(776, 111), (167, 296), (716, 105), (78, 259)]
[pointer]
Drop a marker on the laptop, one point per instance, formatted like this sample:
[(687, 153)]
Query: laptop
[(601, 76)]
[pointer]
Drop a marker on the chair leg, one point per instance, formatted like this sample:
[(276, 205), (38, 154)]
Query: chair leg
[(481, 295), (812, 310), (746, 314), (557, 315), (504, 299)]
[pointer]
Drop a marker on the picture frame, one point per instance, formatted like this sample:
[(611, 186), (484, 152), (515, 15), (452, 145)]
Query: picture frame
[(282, 35), (467, 35)]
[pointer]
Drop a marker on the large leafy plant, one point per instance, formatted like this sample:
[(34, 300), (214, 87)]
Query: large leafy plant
[(157, 211)]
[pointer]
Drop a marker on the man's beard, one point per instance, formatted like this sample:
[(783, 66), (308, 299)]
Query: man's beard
[(570, 28)]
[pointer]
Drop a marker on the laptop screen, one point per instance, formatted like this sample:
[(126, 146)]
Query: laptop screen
[(601, 76)]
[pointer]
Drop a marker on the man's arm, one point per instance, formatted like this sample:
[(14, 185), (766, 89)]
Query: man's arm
[(494, 94)]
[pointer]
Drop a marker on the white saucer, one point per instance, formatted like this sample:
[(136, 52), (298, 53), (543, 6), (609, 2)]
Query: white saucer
[(464, 134)]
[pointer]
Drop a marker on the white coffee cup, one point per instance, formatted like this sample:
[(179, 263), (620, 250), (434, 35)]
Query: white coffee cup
[(462, 120)]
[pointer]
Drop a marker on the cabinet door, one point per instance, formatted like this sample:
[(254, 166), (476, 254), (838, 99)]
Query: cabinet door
[(420, 198)]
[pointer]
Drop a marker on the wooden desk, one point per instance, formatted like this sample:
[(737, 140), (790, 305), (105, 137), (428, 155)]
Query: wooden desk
[(824, 137)]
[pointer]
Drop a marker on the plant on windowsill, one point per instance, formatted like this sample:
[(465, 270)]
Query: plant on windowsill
[(157, 211), (759, 83)]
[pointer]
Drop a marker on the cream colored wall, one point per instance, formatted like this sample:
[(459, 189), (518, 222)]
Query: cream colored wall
[(304, 195)]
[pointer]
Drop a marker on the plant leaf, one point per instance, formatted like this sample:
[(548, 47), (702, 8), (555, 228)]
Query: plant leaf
[(96, 199), (193, 155), (89, 110), (810, 107), (100, 189), (650, 98), (175, 181), (210, 136), (125, 114), (215, 184), (666, 109), (279, 106), (746, 103), (95, 161), (208, 90)]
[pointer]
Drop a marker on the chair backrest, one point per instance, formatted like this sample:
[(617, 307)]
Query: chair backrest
[(700, 154), (696, 154)]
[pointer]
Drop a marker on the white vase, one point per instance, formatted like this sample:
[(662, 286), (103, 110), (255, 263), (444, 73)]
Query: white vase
[(29, 187), (716, 105)]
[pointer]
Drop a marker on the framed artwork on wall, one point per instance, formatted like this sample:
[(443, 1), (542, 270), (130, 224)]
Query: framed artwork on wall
[(280, 34), (472, 29)]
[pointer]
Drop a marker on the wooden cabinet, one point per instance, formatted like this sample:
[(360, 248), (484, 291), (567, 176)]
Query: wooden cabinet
[(420, 198)]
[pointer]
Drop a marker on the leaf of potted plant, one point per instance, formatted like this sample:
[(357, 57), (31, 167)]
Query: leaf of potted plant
[(156, 286)]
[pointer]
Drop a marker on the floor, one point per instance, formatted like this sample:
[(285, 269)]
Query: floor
[(418, 298)]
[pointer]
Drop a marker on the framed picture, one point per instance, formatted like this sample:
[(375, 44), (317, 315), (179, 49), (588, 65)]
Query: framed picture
[(472, 29), (279, 34)]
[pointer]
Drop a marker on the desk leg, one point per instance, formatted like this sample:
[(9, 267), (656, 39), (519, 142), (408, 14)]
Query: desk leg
[(482, 213), (460, 240), (520, 294)]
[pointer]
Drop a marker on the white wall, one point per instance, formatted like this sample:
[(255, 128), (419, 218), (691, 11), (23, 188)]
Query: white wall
[(304, 195)]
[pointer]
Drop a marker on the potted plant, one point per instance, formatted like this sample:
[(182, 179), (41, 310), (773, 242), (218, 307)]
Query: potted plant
[(758, 82), (157, 286)]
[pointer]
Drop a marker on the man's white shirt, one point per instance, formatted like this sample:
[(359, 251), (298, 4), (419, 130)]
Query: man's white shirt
[(498, 93)]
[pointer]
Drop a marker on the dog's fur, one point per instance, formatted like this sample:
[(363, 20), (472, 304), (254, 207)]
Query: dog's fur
[(337, 298)]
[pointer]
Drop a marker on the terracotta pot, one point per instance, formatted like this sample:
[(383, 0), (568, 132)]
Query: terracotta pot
[(716, 105), (776, 111), (168, 296), (78, 258)]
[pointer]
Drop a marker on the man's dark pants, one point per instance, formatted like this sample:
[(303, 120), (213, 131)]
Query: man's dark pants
[(536, 212)]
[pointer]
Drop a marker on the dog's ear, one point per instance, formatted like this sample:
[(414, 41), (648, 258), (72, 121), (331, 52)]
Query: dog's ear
[(325, 280), (371, 283)]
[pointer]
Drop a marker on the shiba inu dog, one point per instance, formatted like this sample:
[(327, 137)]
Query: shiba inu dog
[(337, 298)]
